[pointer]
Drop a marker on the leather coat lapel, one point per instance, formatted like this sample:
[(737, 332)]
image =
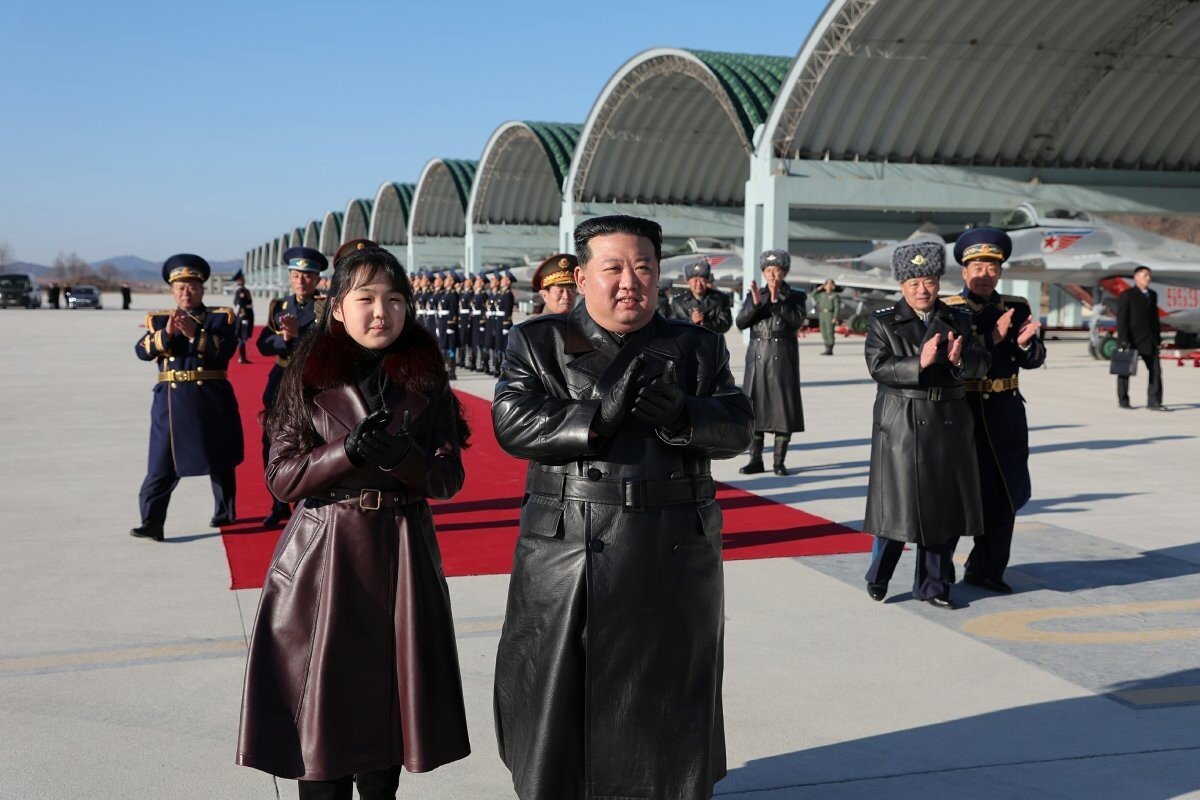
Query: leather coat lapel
[(345, 405)]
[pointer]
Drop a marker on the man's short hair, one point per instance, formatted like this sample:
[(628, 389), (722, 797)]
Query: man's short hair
[(1140, 268), (616, 223)]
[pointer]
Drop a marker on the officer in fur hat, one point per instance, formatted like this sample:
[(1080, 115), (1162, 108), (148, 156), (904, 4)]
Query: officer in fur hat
[(195, 428), (1009, 331), (924, 482), (774, 315), (700, 303)]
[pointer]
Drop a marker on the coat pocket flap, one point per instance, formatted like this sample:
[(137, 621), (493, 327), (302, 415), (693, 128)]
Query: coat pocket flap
[(711, 518), (541, 518), (305, 533)]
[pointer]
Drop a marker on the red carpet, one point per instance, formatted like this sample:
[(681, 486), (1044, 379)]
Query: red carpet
[(478, 528)]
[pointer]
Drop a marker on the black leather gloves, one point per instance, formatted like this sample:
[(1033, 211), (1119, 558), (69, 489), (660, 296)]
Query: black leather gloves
[(660, 402), (615, 404), (387, 449), (369, 443)]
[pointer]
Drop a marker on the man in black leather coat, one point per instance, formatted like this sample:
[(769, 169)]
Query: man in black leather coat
[(700, 303), (924, 483), (608, 673), (1138, 328)]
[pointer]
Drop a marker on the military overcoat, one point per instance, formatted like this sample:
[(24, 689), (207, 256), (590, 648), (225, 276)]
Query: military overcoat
[(608, 673), (714, 306), (924, 480), (772, 378), (193, 423), (1001, 428), (353, 664)]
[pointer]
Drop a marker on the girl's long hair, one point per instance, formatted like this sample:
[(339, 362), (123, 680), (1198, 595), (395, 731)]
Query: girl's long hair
[(289, 420)]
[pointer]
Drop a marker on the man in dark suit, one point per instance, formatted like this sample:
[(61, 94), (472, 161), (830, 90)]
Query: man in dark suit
[(1138, 328)]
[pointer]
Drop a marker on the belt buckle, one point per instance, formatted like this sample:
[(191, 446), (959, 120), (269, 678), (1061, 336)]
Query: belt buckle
[(935, 393), (634, 495), (362, 499), (998, 385)]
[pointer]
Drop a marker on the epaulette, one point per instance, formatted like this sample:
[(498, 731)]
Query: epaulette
[(271, 309), (228, 312), (1012, 298), (960, 309), (879, 312), (955, 300), (151, 315)]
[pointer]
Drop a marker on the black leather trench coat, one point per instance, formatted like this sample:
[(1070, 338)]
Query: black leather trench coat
[(772, 378), (608, 674), (924, 481), (353, 664)]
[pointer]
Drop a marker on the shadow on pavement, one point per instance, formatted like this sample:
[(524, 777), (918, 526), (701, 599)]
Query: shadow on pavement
[(1104, 444), (1054, 505), (1073, 576), (1017, 752)]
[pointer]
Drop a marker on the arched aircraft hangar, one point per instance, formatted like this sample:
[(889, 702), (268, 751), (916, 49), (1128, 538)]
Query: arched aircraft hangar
[(389, 217), (898, 108), (516, 198), (669, 138), (437, 227)]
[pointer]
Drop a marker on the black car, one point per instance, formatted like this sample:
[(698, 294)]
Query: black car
[(84, 296), (19, 289)]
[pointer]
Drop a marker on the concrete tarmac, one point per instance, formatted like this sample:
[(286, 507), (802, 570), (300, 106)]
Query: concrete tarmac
[(121, 660)]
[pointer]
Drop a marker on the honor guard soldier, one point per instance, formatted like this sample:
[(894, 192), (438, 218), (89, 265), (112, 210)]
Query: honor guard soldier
[(434, 301), (288, 318), (195, 428), (701, 304), (491, 326), (475, 321), (506, 303), (1009, 330), (448, 321), (420, 292), (243, 310), (554, 281), (466, 334)]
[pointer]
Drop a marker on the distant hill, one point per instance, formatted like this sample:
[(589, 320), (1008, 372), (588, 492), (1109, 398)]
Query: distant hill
[(36, 270), (132, 267)]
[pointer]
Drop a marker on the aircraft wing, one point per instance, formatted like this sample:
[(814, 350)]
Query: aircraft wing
[(1090, 271)]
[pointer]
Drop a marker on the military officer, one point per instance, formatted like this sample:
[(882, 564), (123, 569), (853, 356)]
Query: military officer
[(195, 427), (243, 309), (466, 333), (421, 297), (475, 320), (701, 304), (506, 303), (554, 281), (448, 310), (491, 326), (828, 300), (288, 318), (1009, 330)]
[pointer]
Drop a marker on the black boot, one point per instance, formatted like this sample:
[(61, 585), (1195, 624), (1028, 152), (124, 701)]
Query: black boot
[(242, 353), (450, 368), (781, 446), (756, 463), (148, 530), (828, 350)]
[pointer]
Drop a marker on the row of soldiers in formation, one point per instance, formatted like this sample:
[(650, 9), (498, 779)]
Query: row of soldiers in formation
[(469, 316)]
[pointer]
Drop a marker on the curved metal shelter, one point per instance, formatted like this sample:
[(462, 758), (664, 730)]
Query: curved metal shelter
[(312, 234), (516, 199), (356, 220), (670, 136), (1114, 84), (296, 238), (437, 225), (390, 213), (331, 233)]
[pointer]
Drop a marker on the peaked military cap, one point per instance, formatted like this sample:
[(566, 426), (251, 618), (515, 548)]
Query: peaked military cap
[(557, 270), (304, 259), (185, 267), (238, 276), (699, 268), (982, 244), (775, 258), (918, 260), (350, 246)]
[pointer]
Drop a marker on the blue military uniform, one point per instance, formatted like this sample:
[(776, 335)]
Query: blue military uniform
[(504, 303), (272, 344), (243, 309), (1001, 428), (466, 332), (195, 427)]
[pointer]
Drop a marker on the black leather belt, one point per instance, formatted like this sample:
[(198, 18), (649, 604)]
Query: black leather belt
[(634, 494), (936, 393), (367, 499)]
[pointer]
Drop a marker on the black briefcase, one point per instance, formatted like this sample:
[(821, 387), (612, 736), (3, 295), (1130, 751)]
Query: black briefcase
[(1124, 363)]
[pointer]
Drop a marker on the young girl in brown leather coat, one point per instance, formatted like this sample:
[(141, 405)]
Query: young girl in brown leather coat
[(353, 668)]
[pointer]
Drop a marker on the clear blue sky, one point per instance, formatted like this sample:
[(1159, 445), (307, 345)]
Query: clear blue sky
[(133, 128)]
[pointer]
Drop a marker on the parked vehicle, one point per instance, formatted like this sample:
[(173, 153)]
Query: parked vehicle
[(19, 289), (84, 296)]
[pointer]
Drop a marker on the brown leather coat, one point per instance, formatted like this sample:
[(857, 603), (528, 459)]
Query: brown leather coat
[(608, 672), (353, 664)]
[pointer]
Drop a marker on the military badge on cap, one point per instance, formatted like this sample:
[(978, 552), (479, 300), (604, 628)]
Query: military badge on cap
[(700, 268), (982, 244), (304, 259), (918, 260), (557, 270), (185, 267), (350, 247)]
